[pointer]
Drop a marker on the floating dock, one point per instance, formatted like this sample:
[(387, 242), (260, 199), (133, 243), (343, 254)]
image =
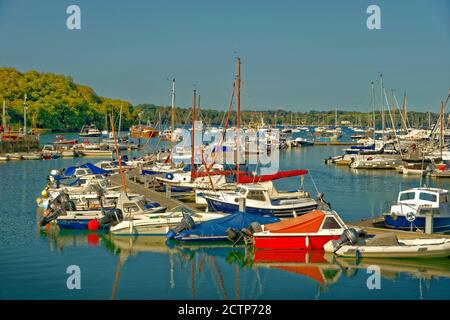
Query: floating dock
[(145, 190), (376, 226)]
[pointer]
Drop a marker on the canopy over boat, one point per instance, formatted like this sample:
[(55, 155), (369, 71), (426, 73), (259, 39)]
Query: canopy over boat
[(307, 223), (94, 169), (269, 177), (217, 228)]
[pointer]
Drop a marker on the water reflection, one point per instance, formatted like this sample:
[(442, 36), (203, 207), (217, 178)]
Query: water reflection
[(242, 273)]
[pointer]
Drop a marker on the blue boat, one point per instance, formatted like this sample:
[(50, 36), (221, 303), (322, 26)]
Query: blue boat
[(216, 230), (262, 199), (409, 213), (358, 149)]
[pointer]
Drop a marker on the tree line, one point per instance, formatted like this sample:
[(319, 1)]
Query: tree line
[(56, 102)]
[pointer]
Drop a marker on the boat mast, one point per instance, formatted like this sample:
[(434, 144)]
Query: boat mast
[(238, 117), (429, 120), (441, 140), (120, 120), (193, 133), (394, 124), (118, 156), (335, 117), (373, 108), (25, 109), (173, 107), (404, 122), (382, 105), (4, 116)]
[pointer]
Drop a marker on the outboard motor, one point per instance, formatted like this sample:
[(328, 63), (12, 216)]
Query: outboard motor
[(54, 211), (255, 226), (349, 236), (187, 223), (233, 234), (110, 217)]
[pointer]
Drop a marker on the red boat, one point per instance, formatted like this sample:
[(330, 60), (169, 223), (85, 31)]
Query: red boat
[(59, 140), (311, 230)]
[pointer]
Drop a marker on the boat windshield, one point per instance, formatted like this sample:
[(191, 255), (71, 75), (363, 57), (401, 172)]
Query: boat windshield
[(407, 196), (428, 197)]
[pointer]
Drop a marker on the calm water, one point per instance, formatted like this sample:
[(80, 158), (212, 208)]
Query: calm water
[(33, 264)]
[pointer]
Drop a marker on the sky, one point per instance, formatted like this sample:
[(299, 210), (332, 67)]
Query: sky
[(296, 55)]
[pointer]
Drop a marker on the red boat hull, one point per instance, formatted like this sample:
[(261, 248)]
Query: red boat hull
[(292, 242)]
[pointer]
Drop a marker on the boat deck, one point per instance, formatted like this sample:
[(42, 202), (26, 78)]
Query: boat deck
[(375, 226)]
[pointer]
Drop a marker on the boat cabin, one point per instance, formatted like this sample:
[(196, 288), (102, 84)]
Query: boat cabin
[(432, 197)]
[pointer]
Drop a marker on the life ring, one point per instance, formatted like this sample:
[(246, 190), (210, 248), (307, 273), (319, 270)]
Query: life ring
[(410, 216), (169, 176)]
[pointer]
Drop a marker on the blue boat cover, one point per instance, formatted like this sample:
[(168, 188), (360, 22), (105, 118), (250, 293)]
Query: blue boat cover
[(218, 227), (94, 169)]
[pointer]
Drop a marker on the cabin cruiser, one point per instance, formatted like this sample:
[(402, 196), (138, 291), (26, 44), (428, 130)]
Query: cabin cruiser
[(90, 131), (409, 213), (262, 198)]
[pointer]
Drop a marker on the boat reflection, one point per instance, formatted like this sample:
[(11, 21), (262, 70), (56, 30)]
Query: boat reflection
[(240, 272), (316, 265)]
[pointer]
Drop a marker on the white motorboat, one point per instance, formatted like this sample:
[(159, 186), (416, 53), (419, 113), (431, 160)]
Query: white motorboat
[(388, 246), (126, 209), (161, 223), (90, 131), (376, 163)]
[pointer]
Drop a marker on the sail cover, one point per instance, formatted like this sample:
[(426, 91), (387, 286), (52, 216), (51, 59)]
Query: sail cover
[(269, 177)]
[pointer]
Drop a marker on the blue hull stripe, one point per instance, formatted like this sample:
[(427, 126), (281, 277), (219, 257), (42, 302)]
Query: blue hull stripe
[(219, 206), (439, 224)]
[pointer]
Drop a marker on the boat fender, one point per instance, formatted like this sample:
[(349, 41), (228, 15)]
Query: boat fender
[(93, 225)]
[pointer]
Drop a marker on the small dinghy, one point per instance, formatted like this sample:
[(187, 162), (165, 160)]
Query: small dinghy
[(387, 246)]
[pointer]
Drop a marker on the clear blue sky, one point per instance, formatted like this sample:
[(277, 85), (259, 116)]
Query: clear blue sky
[(296, 55)]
